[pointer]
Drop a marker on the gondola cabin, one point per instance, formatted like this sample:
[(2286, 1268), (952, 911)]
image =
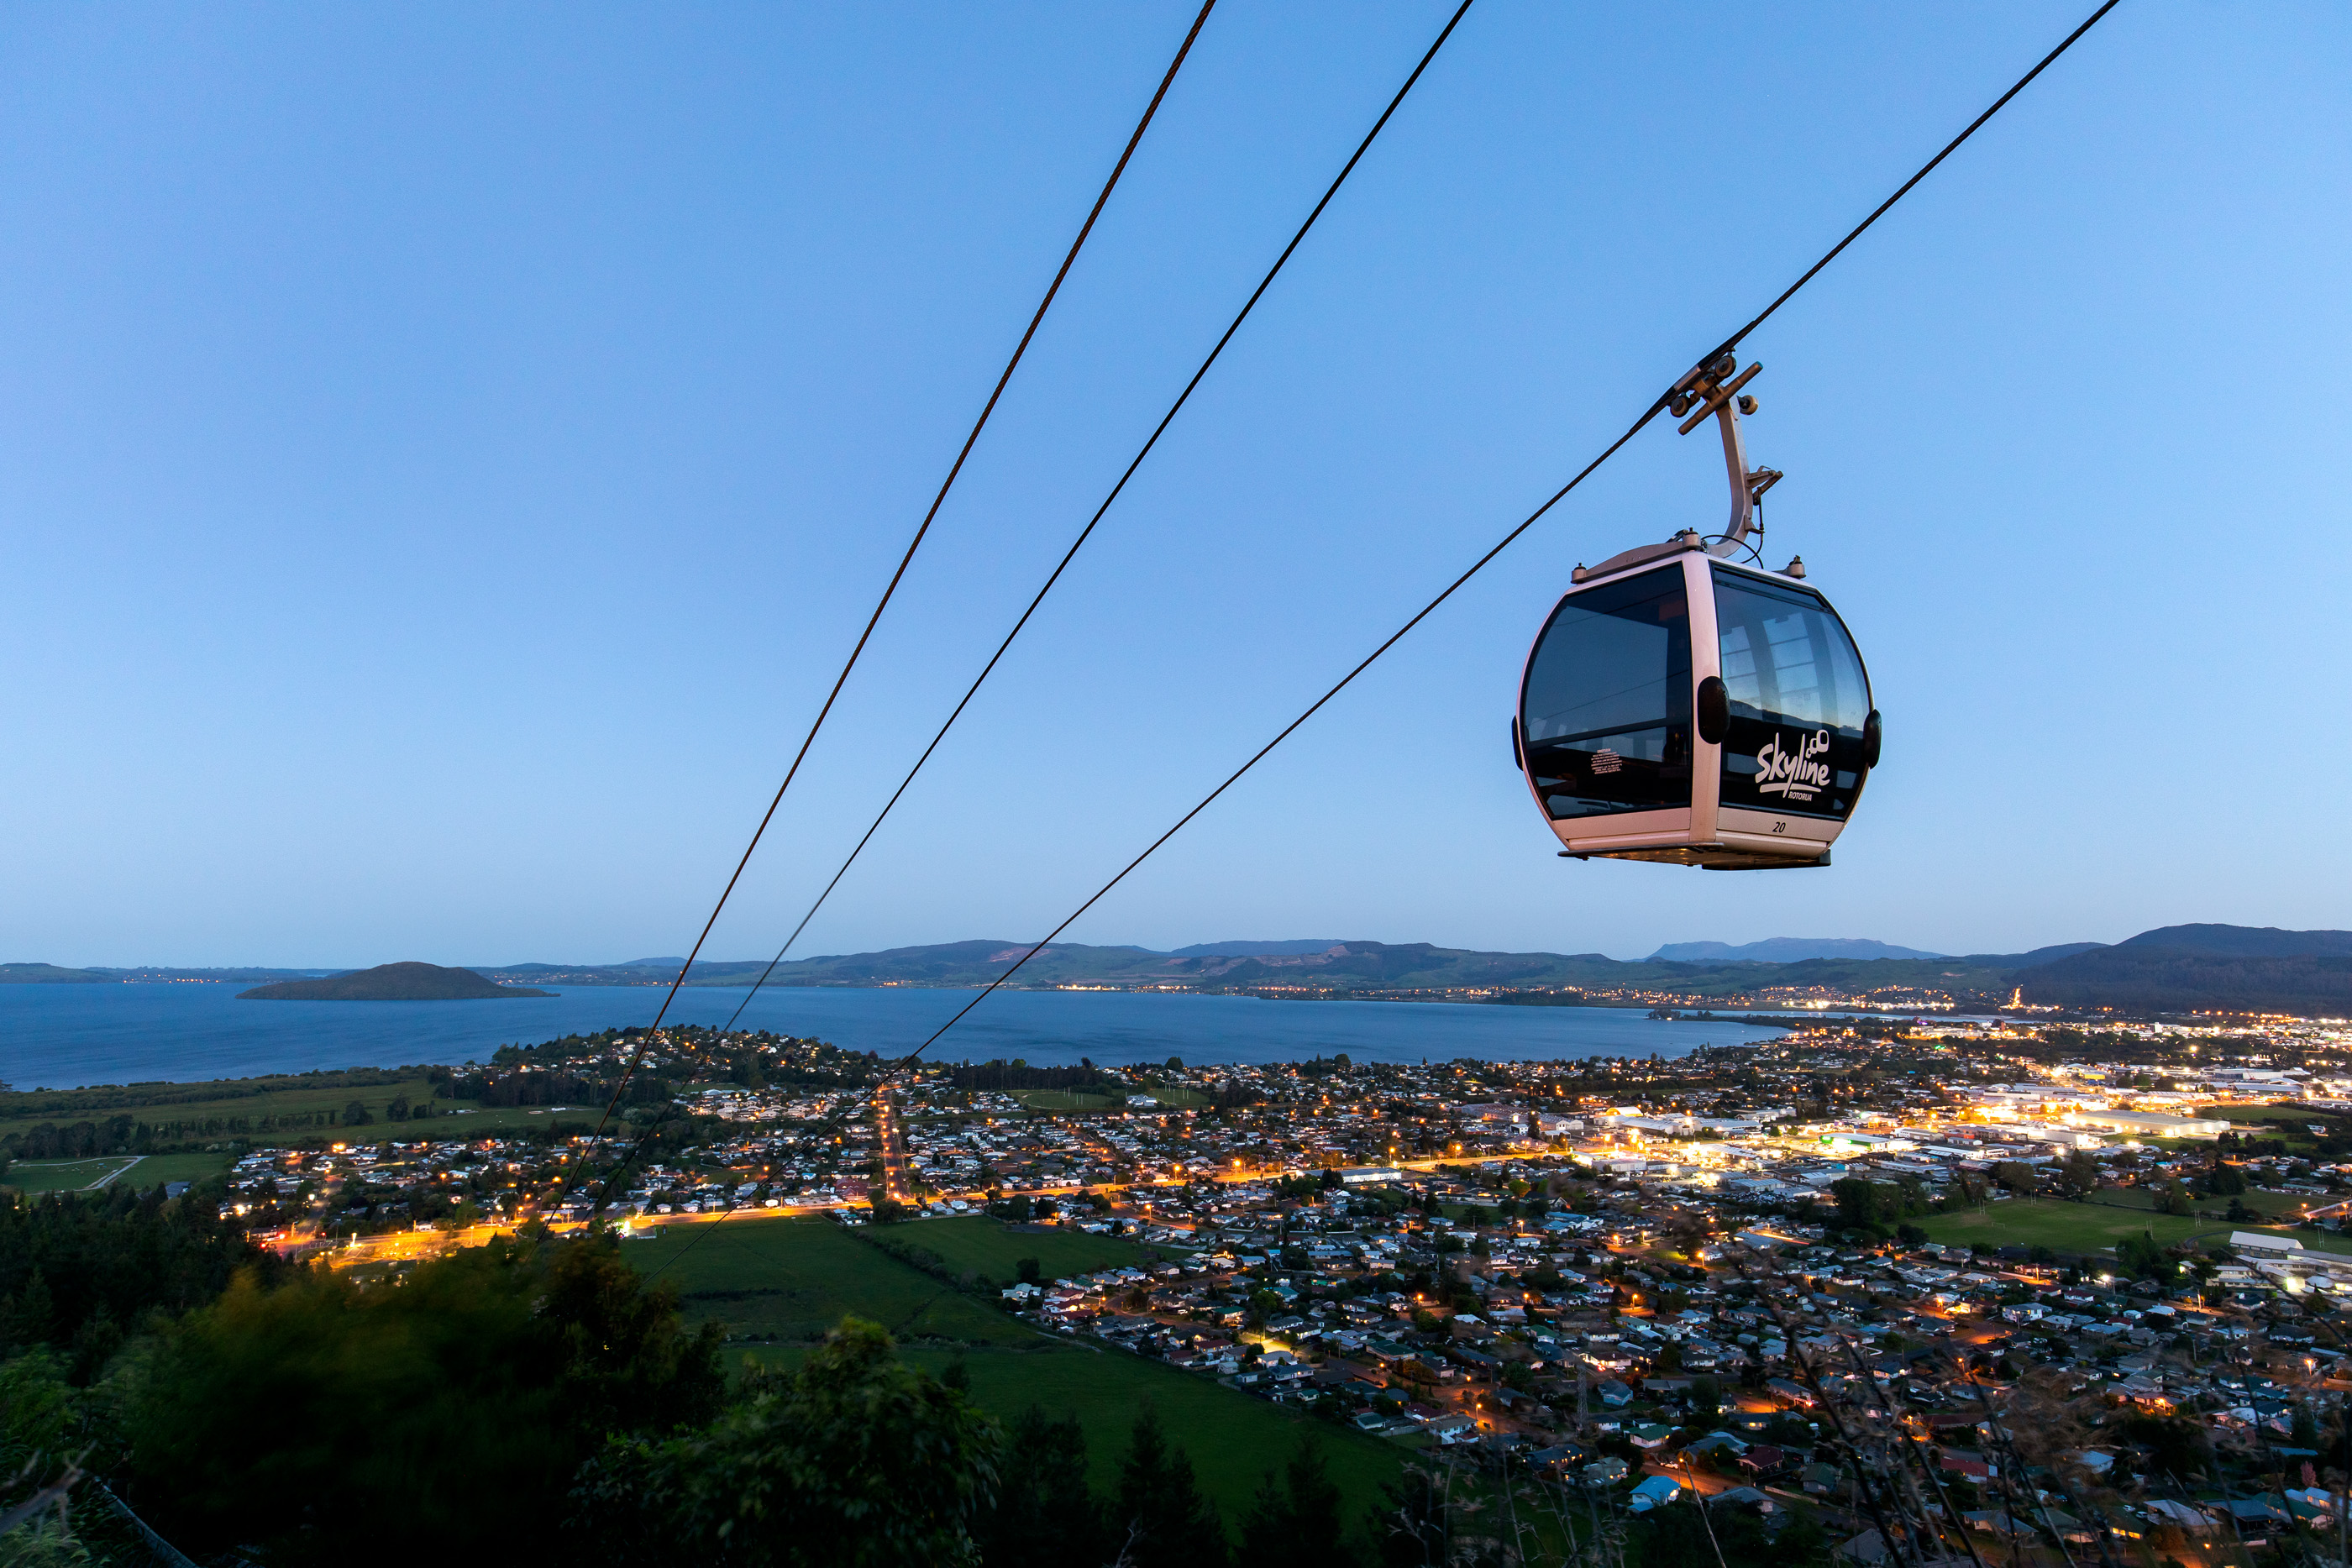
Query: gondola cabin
[(1684, 708)]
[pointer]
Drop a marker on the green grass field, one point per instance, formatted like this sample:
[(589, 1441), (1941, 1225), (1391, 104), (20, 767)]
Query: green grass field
[(1060, 1100), (984, 1247), (64, 1176), (2291, 1123), (2293, 1119), (274, 1103), (818, 1271), (2090, 1226), (1178, 1096), (796, 1278), (158, 1169), (469, 1122), (1232, 1439), (72, 1176), (2269, 1203), (283, 1102)]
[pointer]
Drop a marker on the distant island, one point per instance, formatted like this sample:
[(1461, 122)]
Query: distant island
[(391, 983)]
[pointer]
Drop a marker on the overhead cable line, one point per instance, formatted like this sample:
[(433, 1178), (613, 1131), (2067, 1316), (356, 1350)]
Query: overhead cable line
[(1084, 534), (1648, 414), (954, 469), (1166, 420), (1656, 408)]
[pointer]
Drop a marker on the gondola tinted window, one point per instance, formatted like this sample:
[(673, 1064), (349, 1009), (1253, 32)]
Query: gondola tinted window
[(1799, 697), (1606, 714)]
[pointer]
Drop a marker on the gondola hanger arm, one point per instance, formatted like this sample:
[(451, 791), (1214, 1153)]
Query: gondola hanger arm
[(1715, 388)]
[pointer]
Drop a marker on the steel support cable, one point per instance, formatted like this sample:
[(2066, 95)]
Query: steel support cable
[(1904, 189), (1235, 777), (1633, 430), (1479, 565), (891, 587), (1115, 490), (1287, 730)]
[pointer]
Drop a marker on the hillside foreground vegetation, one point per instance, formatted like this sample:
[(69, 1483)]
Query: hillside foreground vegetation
[(499, 1400)]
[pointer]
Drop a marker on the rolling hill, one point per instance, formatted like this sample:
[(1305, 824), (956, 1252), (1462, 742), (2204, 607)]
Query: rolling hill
[(1782, 950), (2244, 942), (391, 983), (2205, 969), (49, 974)]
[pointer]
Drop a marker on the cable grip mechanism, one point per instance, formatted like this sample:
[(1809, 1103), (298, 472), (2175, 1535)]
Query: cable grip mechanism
[(1715, 387)]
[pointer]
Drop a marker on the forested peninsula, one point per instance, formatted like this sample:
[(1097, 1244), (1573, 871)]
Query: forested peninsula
[(391, 983)]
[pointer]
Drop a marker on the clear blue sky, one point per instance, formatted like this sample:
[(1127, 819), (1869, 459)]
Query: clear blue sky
[(445, 450)]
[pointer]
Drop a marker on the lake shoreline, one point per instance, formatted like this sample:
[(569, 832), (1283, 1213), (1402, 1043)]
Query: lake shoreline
[(56, 1036)]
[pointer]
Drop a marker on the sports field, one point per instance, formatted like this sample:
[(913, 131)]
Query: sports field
[(466, 1121), (2091, 1226), (157, 1168), (2269, 1203), (2290, 1118), (65, 1175), (1177, 1096), (75, 1176), (1061, 1099)]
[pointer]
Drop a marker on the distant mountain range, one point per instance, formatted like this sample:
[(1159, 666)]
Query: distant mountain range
[(2178, 969), (1782, 950), (1254, 950), (2172, 969)]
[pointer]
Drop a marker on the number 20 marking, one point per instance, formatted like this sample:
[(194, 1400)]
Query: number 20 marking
[(1779, 827)]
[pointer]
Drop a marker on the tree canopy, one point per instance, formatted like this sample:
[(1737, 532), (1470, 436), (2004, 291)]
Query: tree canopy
[(856, 1460), (461, 1398)]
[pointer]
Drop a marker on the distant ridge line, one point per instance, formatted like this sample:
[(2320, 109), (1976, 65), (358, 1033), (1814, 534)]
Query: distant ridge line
[(1784, 950), (2170, 970)]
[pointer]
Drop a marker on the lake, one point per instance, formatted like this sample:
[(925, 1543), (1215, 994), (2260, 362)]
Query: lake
[(65, 1036)]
